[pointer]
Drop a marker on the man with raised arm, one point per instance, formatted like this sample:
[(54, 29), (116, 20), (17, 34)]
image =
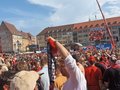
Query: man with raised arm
[(76, 80)]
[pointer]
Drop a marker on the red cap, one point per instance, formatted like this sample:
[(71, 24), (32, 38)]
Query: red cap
[(92, 59), (103, 58)]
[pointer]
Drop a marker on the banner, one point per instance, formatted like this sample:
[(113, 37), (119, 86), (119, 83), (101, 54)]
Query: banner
[(104, 46), (96, 34)]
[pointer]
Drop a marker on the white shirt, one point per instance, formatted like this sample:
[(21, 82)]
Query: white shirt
[(45, 77), (77, 79)]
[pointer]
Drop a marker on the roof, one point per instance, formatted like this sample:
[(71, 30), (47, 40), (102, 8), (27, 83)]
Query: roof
[(14, 30), (26, 35), (82, 25), (57, 29), (110, 21), (11, 28)]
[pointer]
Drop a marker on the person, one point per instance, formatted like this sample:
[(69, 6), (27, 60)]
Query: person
[(93, 75), (101, 65), (22, 65), (76, 80), (24, 80), (111, 76), (1, 59), (44, 79), (77, 58), (60, 79), (37, 67)]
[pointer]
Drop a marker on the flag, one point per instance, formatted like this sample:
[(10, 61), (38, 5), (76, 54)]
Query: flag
[(96, 34), (51, 49)]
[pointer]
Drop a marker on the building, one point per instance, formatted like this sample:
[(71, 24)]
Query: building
[(79, 32), (63, 34), (12, 40)]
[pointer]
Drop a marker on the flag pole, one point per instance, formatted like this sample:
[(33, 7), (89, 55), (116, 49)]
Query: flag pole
[(107, 27)]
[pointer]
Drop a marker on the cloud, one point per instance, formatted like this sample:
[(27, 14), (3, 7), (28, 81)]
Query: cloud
[(65, 12), (76, 10), (25, 20), (20, 13), (50, 3), (114, 2), (32, 25)]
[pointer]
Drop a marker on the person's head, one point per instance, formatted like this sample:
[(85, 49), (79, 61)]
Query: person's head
[(37, 64), (76, 57), (22, 65), (92, 60), (6, 78), (117, 62), (24, 80), (44, 60), (103, 58), (113, 60)]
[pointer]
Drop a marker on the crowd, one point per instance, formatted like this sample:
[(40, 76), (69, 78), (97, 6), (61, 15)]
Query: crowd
[(75, 70)]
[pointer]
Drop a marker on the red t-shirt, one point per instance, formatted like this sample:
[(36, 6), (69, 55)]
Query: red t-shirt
[(93, 75)]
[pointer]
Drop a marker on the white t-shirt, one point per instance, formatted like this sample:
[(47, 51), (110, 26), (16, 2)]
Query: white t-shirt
[(77, 79)]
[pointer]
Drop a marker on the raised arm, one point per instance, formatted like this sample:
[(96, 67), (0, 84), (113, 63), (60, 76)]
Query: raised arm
[(63, 51)]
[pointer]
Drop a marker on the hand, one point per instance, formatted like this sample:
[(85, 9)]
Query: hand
[(50, 38), (52, 44)]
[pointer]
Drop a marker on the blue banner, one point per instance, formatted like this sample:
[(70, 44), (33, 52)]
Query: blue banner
[(104, 46)]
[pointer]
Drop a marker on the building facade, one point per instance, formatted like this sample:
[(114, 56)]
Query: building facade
[(79, 32), (12, 40)]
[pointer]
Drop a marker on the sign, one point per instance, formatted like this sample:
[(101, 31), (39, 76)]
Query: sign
[(96, 33), (104, 46)]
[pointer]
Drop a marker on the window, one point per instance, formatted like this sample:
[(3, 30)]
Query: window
[(107, 37), (80, 31), (115, 22), (117, 39), (114, 32), (91, 26), (86, 26), (119, 31), (80, 36), (102, 24), (85, 35), (109, 23), (69, 29), (85, 30), (96, 25), (114, 27), (75, 27), (80, 27), (64, 30)]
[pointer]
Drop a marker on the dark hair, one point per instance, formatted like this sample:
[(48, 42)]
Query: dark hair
[(44, 60), (76, 57), (7, 76)]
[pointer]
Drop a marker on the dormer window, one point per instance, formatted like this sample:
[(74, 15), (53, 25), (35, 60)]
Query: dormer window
[(75, 27), (102, 24), (109, 23), (115, 22), (91, 26), (86, 26), (96, 25), (80, 27)]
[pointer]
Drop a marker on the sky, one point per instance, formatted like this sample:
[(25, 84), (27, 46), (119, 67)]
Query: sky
[(34, 15)]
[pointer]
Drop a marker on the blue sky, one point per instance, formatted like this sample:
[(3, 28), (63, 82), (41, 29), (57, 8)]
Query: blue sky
[(35, 15)]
